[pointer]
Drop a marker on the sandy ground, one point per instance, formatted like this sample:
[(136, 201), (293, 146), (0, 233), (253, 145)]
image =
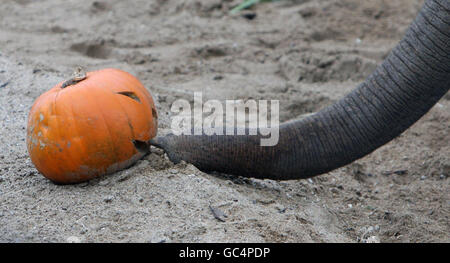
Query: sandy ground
[(306, 54)]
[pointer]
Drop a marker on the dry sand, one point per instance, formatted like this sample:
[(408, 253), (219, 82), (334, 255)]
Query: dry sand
[(306, 54)]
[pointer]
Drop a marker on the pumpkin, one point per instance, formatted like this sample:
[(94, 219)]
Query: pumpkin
[(91, 125)]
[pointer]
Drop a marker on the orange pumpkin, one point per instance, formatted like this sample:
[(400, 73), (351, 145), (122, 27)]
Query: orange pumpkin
[(91, 126)]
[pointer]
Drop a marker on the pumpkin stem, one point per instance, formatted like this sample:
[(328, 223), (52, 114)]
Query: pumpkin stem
[(78, 75)]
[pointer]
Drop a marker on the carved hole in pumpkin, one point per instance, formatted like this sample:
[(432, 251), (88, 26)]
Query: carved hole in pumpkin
[(154, 114), (130, 94), (141, 146)]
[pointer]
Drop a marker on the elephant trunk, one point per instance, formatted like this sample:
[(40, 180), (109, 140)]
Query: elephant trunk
[(413, 77)]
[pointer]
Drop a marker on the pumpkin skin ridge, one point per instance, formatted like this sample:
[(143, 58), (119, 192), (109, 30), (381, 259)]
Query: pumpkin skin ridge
[(67, 158), (84, 91), (55, 114), (141, 104), (68, 153), (46, 117), (124, 112), (151, 128), (128, 121), (108, 128), (79, 139), (115, 166), (74, 140)]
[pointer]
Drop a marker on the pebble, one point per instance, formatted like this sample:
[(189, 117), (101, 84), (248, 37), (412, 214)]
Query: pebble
[(218, 214), (73, 239), (281, 209), (162, 98), (104, 182), (108, 199), (423, 177), (373, 239), (249, 15), (158, 239), (4, 84)]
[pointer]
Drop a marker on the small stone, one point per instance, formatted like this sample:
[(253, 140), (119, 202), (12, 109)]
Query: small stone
[(401, 172), (177, 70), (249, 15), (373, 239), (73, 239), (104, 182), (423, 177), (162, 98), (108, 199), (157, 239), (218, 214), (4, 84), (281, 209)]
